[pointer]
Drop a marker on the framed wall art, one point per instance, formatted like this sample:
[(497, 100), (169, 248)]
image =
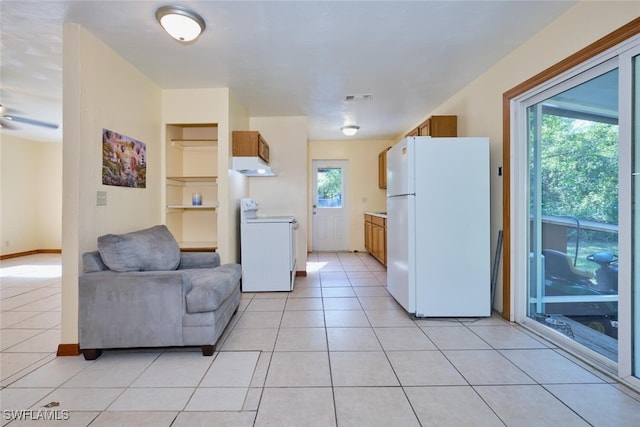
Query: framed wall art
[(124, 160)]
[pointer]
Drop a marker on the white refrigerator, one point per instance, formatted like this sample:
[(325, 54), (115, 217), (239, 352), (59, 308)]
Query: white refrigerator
[(438, 226)]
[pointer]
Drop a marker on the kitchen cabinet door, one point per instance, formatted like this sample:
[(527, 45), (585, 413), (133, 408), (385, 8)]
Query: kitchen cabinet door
[(249, 143), (382, 169)]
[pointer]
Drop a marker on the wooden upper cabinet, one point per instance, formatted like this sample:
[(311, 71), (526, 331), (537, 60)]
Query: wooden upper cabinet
[(437, 126), (382, 169), (414, 132), (249, 143)]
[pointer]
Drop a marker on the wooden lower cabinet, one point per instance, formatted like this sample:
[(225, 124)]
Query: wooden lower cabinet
[(368, 233), (375, 237)]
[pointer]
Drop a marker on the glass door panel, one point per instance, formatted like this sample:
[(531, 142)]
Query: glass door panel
[(329, 187), (573, 210)]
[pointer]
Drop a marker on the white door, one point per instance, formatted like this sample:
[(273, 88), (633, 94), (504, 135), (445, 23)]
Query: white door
[(330, 222), (400, 276)]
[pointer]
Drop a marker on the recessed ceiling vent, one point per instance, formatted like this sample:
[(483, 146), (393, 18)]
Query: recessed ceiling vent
[(358, 98)]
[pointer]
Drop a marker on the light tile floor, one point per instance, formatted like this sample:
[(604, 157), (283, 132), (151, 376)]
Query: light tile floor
[(337, 350)]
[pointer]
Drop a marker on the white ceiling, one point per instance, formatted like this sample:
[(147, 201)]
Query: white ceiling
[(279, 58)]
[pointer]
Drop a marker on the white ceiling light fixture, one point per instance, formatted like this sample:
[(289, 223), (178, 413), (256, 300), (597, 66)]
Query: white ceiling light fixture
[(181, 23), (350, 130)]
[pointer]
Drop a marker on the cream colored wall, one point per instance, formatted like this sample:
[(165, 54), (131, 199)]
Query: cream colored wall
[(286, 193), (363, 180), (479, 105), (238, 184), (102, 90), (238, 187), (50, 189), (30, 196)]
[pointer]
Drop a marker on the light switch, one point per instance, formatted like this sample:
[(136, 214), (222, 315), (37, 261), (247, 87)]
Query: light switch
[(101, 198)]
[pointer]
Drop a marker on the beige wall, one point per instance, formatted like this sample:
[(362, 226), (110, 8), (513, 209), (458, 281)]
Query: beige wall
[(238, 184), (102, 90), (365, 195), (286, 193), (479, 105), (30, 195)]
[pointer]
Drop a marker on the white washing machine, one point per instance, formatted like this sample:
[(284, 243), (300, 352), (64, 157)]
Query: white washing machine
[(267, 250)]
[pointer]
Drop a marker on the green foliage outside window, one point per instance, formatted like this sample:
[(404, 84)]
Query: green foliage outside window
[(330, 187), (579, 169)]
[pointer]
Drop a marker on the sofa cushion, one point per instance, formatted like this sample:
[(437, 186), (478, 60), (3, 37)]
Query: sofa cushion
[(211, 287), (152, 249)]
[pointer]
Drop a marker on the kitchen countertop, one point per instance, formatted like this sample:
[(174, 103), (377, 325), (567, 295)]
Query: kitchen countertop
[(379, 214)]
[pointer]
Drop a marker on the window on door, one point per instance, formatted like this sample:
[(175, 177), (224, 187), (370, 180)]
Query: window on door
[(329, 187)]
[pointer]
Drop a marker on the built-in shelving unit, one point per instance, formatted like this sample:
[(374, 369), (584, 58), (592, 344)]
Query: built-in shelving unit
[(191, 167)]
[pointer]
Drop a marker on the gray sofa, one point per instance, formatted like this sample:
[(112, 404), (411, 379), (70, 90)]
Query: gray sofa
[(139, 290)]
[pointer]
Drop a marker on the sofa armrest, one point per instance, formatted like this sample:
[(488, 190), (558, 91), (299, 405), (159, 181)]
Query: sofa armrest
[(131, 309), (92, 262), (211, 287), (190, 260)]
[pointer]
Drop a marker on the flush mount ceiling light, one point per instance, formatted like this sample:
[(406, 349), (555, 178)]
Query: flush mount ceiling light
[(350, 130), (181, 23)]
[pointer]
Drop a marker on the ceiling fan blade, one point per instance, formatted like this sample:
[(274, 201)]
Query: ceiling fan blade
[(7, 110), (33, 122), (6, 124)]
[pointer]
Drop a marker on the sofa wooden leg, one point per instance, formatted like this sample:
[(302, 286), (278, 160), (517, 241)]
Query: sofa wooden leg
[(91, 353), (208, 349)]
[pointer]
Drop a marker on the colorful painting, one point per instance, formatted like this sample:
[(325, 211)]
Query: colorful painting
[(124, 160)]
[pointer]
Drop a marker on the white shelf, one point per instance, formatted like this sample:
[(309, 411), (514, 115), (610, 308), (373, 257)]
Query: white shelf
[(193, 178), (213, 206), (199, 246), (194, 142)]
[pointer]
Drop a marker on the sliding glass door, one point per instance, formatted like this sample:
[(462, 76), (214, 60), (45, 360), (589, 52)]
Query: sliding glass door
[(573, 150), (635, 214), (575, 209)]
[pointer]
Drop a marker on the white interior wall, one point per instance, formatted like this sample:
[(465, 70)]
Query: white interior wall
[(30, 195), (286, 193), (238, 184), (102, 90)]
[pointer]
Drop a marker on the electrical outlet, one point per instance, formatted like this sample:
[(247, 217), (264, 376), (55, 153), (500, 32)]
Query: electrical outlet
[(6, 243), (101, 198)]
